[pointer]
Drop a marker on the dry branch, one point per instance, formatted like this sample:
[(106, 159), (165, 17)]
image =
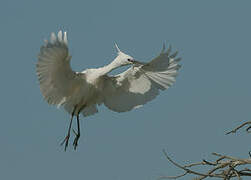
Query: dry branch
[(241, 126), (224, 167)]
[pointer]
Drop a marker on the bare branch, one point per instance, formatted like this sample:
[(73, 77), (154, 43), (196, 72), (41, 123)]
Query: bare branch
[(241, 126), (224, 167)]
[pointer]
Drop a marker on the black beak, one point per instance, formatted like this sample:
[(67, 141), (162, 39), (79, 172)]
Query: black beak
[(137, 62)]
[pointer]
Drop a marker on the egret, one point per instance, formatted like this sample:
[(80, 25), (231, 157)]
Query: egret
[(81, 92)]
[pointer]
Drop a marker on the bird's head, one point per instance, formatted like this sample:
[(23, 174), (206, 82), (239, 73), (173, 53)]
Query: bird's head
[(125, 59)]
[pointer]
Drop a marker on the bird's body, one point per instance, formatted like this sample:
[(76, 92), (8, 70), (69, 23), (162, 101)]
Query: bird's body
[(81, 92)]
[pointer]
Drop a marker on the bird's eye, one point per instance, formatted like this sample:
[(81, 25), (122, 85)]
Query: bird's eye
[(129, 60)]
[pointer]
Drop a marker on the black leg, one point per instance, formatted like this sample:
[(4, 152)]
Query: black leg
[(77, 135), (66, 140)]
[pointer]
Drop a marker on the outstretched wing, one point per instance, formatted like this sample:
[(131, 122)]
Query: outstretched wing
[(141, 84), (57, 80)]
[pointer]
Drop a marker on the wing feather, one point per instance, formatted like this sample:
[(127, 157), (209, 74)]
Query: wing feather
[(139, 85), (58, 81)]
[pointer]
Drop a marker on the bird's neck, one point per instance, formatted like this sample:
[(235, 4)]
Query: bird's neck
[(108, 68)]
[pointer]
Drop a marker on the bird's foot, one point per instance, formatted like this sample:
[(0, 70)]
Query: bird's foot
[(75, 142), (66, 141)]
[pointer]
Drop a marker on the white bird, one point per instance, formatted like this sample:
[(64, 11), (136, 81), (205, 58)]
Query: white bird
[(81, 92)]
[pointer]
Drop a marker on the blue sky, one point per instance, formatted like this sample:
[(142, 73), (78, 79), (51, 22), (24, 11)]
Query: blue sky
[(211, 95)]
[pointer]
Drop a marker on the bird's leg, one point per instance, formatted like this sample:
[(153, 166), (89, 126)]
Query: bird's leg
[(77, 135), (66, 140)]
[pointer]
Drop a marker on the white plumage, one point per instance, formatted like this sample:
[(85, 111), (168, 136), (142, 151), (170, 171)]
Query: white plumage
[(80, 92)]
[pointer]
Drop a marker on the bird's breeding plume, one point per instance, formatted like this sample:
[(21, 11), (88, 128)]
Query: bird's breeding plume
[(80, 92)]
